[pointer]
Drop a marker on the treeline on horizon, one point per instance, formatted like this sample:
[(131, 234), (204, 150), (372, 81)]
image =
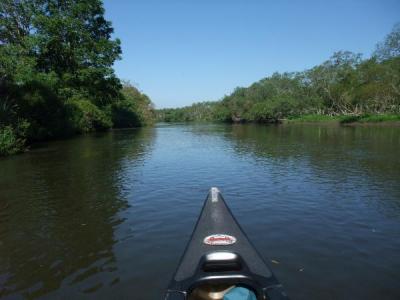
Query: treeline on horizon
[(345, 85), (56, 75)]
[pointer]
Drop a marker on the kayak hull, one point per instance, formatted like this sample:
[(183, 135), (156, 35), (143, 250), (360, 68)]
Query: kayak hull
[(219, 252)]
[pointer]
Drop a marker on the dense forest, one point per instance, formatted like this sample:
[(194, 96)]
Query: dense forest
[(345, 85), (56, 75)]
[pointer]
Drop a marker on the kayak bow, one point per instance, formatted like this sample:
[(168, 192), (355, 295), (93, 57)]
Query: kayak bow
[(220, 256)]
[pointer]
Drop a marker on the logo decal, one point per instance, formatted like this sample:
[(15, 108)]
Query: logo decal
[(219, 240)]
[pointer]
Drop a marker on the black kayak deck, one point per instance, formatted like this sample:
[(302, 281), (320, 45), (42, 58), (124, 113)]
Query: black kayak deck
[(239, 264)]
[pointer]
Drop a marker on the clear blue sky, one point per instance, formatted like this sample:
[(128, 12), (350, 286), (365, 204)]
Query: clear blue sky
[(184, 51)]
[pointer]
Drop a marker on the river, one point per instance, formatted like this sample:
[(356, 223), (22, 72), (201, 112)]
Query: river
[(107, 216)]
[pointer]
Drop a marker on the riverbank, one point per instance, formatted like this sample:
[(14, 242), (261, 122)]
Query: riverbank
[(9, 145), (351, 120)]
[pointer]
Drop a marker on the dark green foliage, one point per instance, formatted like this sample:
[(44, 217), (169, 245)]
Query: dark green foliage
[(133, 109), (124, 114), (12, 140), (9, 143), (369, 118), (56, 71), (200, 112), (344, 85), (313, 118), (84, 116)]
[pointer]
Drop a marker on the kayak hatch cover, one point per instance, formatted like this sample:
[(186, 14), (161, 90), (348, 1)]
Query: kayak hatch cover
[(219, 252)]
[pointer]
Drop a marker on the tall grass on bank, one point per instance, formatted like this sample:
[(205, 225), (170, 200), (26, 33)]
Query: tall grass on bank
[(313, 118), (367, 118)]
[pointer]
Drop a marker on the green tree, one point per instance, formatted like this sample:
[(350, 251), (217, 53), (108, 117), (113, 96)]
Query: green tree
[(56, 69), (133, 109), (390, 47), (74, 41)]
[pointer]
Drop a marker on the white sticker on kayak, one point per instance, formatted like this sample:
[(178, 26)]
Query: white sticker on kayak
[(219, 240)]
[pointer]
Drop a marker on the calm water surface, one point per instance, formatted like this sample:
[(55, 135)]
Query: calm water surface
[(108, 216)]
